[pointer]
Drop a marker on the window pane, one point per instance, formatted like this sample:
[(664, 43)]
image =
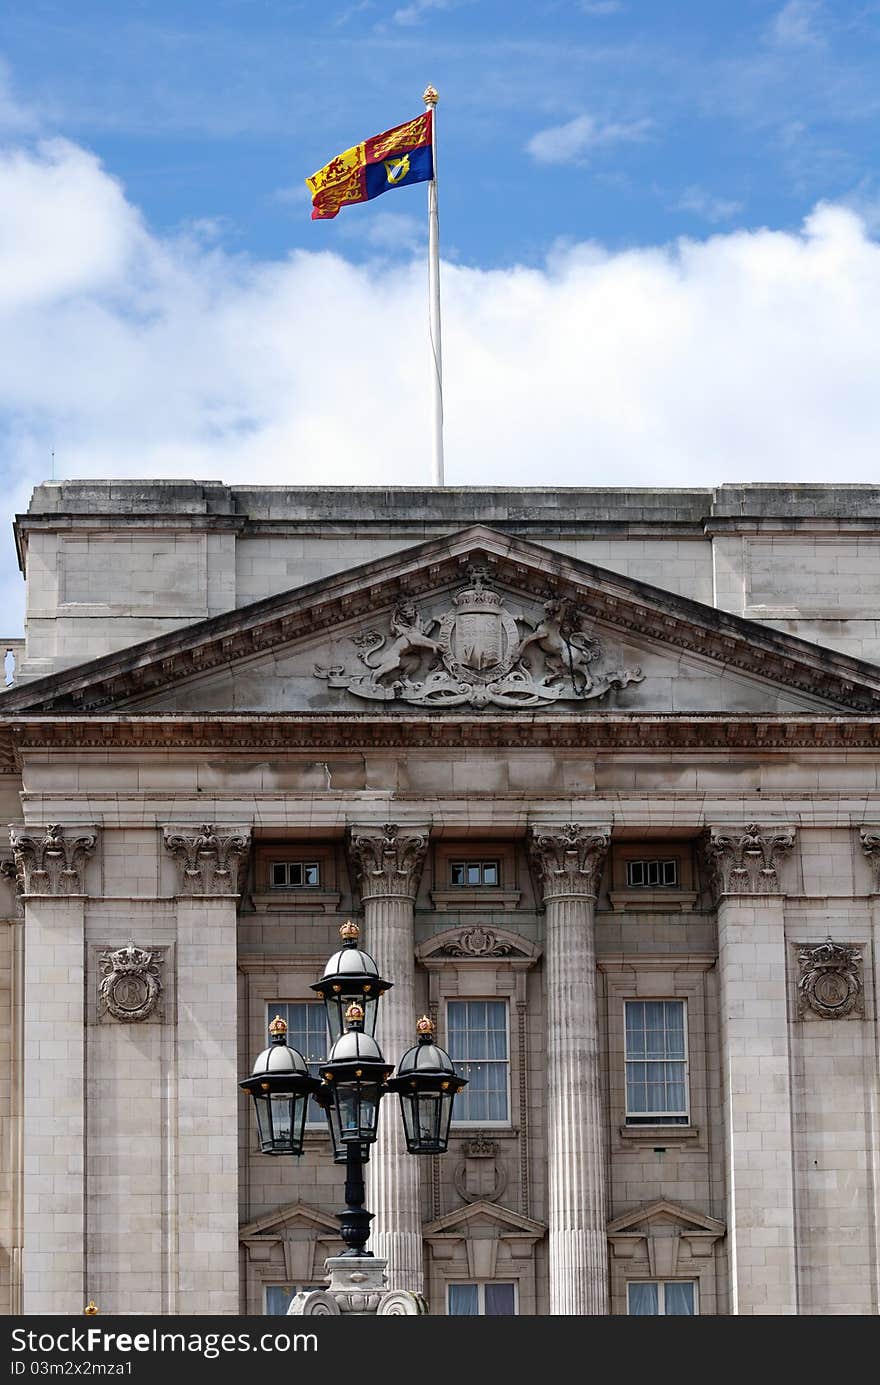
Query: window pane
[(679, 1300), (473, 873), (478, 1047), (654, 1031), (641, 1300), (279, 873), (311, 874), (306, 1031), (457, 873), (463, 1301), (490, 873), (500, 1301), (278, 1297)]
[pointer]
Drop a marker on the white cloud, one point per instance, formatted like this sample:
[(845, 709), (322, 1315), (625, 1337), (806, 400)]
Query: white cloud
[(751, 355), (797, 25), (14, 117), (415, 12), (571, 142), (704, 204)]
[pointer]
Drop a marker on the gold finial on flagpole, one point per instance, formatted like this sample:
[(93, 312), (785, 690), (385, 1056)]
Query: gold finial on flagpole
[(431, 96), (91, 1308)]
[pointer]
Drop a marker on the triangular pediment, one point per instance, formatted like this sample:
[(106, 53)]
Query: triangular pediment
[(295, 1215), (476, 622), (664, 1213), (483, 1213)]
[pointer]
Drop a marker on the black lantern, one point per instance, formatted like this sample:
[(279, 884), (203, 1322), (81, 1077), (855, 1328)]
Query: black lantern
[(280, 1085), (350, 976), (354, 1083), (426, 1083)]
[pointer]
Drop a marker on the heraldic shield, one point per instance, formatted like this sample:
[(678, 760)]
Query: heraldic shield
[(478, 638)]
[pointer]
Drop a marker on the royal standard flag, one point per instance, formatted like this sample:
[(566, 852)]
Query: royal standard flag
[(391, 160)]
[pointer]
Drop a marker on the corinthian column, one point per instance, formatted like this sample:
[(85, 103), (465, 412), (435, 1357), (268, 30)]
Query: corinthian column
[(388, 862), (755, 1065), (568, 863)]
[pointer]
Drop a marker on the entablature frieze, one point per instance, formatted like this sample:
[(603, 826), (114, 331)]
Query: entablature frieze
[(331, 732)]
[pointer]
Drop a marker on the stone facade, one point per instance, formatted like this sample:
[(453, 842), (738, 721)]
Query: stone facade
[(586, 766)]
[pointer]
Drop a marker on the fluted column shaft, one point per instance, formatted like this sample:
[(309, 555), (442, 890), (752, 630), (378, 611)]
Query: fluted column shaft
[(568, 862), (388, 862)]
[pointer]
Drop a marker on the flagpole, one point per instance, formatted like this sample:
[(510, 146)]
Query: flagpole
[(430, 99)]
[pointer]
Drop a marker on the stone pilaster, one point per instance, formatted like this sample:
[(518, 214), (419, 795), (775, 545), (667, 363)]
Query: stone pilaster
[(870, 841), (210, 863), (388, 864), (567, 859), (49, 876), (755, 1065)]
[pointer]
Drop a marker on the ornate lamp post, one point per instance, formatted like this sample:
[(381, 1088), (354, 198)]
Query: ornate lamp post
[(354, 1078)]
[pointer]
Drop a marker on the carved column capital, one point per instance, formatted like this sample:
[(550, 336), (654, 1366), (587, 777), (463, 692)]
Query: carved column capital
[(51, 860), (388, 860), (209, 860), (568, 857), (870, 840), (743, 860)]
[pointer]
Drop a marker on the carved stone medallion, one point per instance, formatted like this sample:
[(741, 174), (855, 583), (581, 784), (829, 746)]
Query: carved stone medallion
[(479, 654), (130, 987), (830, 983)]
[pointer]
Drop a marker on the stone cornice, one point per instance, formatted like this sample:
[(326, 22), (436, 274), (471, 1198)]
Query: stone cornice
[(646, 611), (331, 731)]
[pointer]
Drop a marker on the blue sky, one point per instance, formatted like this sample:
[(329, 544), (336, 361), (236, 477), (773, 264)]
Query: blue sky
[(658, 225), (632, 121)]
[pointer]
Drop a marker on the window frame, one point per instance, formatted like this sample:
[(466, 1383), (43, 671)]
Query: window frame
[(306, 862), (480, 1285), (678, 1120), (313, 1123), (662, 862), (481, 862), (661, 1297), (506, 1122)]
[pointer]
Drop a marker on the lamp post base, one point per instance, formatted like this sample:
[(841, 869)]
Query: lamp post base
[(357, 1289)]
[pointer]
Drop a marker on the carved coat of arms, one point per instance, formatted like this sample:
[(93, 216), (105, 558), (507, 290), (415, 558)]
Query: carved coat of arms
[(830, 983), (479, 654), (130, 986)]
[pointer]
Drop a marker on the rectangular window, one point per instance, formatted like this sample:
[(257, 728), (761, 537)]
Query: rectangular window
[(651, 875), (277, 1296), (477, 1041), (472, 874), (674, 1298), (307, 1031), (656, 1062), (294, 875), (481, 1300)]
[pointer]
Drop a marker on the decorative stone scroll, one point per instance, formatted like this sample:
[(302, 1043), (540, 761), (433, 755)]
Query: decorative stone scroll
[(357, 1288), (830, 984), (743, 860), (130, 986), (477, 942), (870, 839), (568, 858), (210, 861), (388, 860), (51, 860), (478, 654)]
